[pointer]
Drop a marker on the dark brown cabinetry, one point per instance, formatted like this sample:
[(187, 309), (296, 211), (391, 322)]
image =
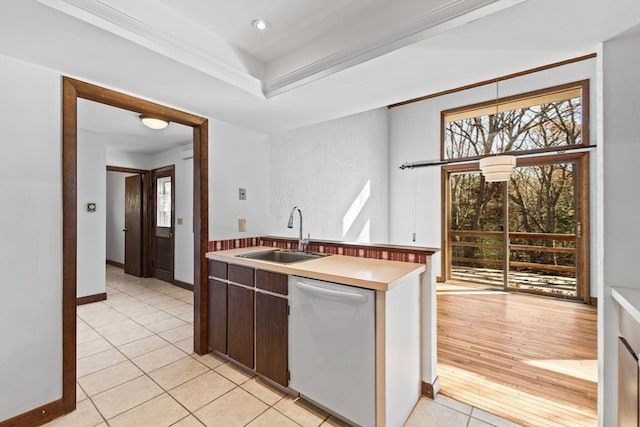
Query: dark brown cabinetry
[(248, 316), (218, 315), (272, 327), (240, 323), (628, 372)]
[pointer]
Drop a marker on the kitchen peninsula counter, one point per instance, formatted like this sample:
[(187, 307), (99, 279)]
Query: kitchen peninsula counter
[(404, 300), (369, 273)]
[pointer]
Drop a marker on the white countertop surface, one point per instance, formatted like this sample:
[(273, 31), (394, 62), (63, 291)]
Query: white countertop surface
[(629, 300), (376, 274)]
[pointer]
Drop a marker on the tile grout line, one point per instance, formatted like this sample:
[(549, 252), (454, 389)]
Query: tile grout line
[(116, 309)]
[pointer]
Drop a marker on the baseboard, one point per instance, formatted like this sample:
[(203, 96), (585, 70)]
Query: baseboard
[(91, 298), (37, 416), (430, 390), (183, 285), (115, 264)]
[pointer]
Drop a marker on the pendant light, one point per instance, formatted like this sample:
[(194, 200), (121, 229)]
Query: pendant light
[(499, 167)]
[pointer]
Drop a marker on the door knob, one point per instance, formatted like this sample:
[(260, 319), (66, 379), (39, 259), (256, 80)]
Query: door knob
[(124, 229)]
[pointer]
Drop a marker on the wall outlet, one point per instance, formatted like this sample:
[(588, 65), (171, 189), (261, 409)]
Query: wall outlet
[(179, 220), (242, 224), (242, 193)]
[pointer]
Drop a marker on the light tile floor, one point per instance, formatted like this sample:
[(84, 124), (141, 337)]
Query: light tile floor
[(136, 368)]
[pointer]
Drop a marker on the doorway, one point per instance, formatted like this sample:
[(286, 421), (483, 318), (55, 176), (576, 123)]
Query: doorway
[(163, 224), (130, 251), (73, 90), (528, 234)]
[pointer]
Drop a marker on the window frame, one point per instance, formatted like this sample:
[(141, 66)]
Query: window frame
[(584, 89)]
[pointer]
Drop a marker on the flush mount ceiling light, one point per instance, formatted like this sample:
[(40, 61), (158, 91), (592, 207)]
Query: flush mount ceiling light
[(260, 24), (153, 123)]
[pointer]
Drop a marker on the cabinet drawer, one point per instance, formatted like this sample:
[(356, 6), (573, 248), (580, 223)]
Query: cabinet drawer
[(241, 275), (218, 269), (272, 282)]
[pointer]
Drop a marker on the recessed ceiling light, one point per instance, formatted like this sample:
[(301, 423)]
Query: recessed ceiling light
[(260, 24)]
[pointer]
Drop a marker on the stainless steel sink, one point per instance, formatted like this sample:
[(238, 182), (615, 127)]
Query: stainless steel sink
[(282, 256)]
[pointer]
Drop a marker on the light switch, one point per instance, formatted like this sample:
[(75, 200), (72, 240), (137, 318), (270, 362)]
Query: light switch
[(179, 220), (242, 193), (242, 224)]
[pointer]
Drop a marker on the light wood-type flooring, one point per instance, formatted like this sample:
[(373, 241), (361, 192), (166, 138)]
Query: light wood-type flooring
[(529, 359)]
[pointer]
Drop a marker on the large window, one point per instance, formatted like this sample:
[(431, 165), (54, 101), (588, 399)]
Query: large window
[(525, 234), (534, 122)]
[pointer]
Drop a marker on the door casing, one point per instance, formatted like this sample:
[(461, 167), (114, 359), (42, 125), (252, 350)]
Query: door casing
[(73, 89), (581, 159)]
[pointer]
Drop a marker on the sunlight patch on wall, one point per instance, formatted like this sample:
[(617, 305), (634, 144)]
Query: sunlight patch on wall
[(356, 207), (365, 235)]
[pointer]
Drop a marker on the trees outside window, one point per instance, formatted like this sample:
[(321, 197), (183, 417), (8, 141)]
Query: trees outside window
[(542, 207)]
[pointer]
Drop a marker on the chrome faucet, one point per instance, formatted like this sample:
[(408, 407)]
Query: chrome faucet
[(302, 242)]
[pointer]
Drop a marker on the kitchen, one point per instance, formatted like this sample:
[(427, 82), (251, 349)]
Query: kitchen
[(340, 137)]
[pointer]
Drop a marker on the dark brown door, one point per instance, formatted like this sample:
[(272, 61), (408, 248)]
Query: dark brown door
[(163, 223), (240, 324), (272, 333), (133, 225)]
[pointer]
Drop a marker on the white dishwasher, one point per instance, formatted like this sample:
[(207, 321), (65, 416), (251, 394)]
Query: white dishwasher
[(332, 347)]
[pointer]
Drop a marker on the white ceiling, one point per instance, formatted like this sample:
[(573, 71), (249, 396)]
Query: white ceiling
[(320, 60), (123, 130)]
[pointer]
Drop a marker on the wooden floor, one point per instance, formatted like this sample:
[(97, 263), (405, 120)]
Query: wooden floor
[(529, 359)]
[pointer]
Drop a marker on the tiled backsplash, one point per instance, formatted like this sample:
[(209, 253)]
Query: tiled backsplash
[(394, 253)]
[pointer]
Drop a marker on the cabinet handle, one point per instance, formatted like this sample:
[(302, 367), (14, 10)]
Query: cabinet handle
[(332, 294)]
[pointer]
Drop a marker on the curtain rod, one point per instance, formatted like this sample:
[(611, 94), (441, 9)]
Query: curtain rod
[(425, 163)]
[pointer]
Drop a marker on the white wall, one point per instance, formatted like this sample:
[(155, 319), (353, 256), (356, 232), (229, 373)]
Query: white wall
[(415, 204), (183, 237), (126, 159), (115, 215), (30, 252), (91, 250), (237, 158), (621, 197), (337, 173)]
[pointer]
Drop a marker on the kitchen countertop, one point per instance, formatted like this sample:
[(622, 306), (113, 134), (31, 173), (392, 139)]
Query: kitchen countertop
[(369, 273), (629, 300)]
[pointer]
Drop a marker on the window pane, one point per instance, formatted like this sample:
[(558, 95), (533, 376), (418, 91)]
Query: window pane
[(529, 124), (163, 202)]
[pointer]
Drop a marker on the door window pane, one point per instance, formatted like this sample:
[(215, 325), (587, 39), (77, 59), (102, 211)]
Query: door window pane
[(476, 235), (163, 202)]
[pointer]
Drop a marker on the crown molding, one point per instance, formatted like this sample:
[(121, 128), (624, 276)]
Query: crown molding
[(185, 50), (450, 16), (102, 15)]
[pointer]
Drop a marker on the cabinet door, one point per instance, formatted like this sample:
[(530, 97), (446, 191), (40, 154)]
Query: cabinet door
[(218, 316), (272, 337), (240, 324), (627, 385)]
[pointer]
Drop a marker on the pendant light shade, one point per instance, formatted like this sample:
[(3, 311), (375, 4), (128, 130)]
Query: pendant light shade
[(497, 168), (153, 123)]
